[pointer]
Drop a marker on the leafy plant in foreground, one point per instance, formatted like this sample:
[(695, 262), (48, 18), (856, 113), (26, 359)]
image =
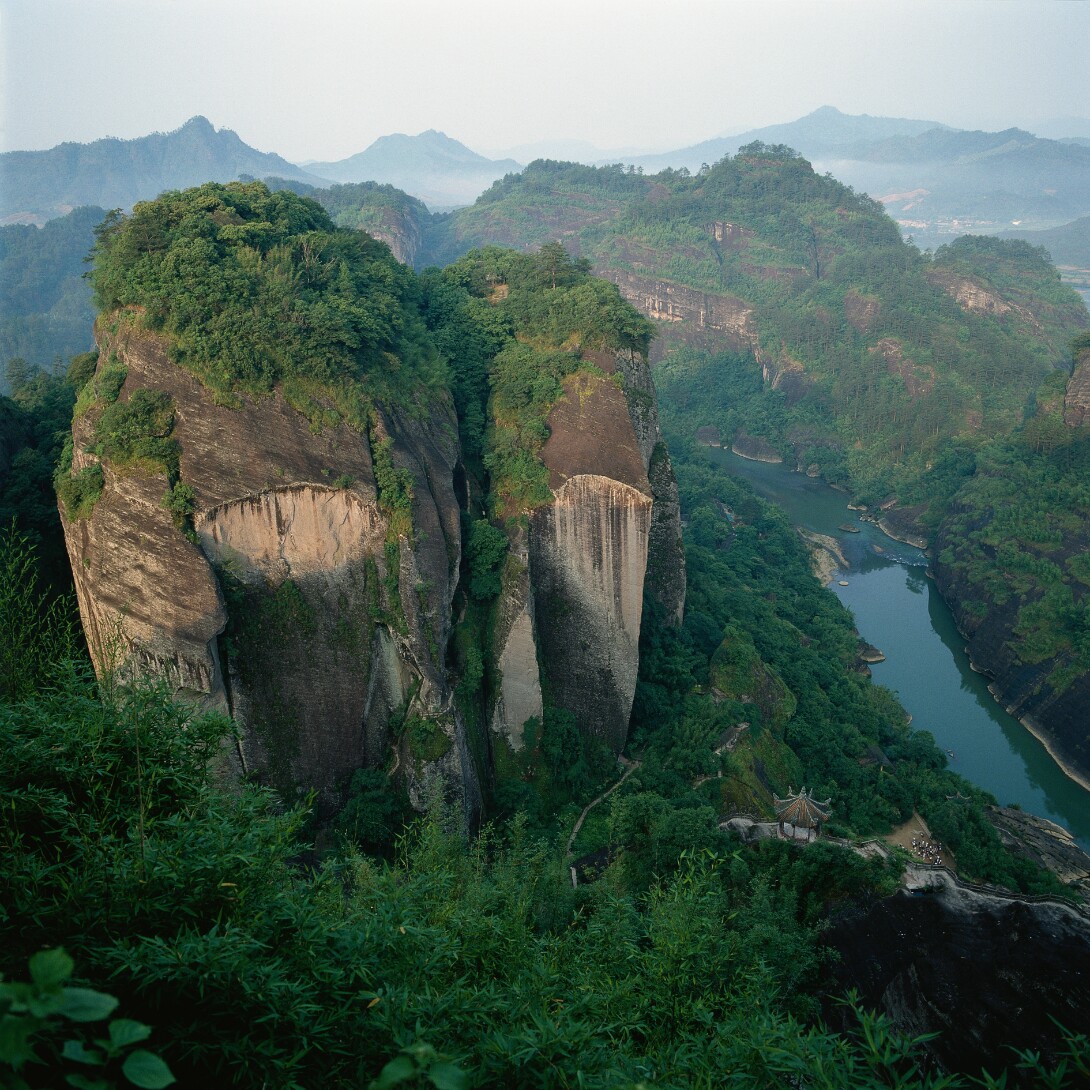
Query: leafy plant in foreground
[(34, 1033)]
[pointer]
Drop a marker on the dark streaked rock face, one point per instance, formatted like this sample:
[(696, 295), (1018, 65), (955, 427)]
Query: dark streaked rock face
[(295, 608), (569, 618), (985, 973), (588, 556), (1045, 843)]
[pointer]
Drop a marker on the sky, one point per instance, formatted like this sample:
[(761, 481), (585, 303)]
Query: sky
[(322, 79)]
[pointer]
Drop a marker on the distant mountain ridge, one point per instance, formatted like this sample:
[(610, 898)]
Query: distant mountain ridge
[(940, 184), (1068, 244), (824, 132), (113, 173), (431, 166)]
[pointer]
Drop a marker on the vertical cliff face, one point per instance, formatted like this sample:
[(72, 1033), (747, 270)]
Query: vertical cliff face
[(665, 553), (589, 557), (1077, 398), (515, 638), (293, 602), (569, 619)]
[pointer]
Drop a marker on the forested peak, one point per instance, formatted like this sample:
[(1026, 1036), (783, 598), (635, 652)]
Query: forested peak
[(350, 196), (551, 297), (547, 174), (778, 168), (198, 123), (256, 288), (758, 149), (972, 249)]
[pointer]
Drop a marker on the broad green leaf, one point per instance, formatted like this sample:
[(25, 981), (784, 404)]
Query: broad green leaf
[(16, 994), (146, 1070), (51, 968), (396, 1071), (448, 1077), (75, 1050), (15, 1047), (124, 1032), (45, 1004), (85, 1005), (84, 1082)]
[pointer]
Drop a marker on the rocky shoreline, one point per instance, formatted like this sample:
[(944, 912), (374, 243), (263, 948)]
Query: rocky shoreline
[(826, 556)]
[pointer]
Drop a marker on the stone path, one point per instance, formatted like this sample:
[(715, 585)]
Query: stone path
[(630, 767)]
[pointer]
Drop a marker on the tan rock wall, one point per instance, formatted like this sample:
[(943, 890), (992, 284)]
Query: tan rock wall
[(322, 651), (588, 558), (1077, 398), (665, 301), (516, 649)]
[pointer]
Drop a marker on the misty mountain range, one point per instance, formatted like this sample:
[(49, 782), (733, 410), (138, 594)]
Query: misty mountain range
[(441, 172), (937, 181), (112, 173)]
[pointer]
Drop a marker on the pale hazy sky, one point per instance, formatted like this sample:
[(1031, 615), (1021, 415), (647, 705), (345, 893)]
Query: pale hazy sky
[(321, 79)]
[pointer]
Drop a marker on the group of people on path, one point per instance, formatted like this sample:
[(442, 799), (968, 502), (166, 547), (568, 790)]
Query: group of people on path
[(930, 851)]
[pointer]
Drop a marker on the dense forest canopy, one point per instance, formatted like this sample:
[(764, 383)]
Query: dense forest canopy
[(258, 289)]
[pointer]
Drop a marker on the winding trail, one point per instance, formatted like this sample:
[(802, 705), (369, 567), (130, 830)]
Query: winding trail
[(630, 767)]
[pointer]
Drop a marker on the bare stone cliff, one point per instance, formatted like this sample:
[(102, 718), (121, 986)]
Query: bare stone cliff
[(292, 603), (569, 619), (697, 314), (400, 231)]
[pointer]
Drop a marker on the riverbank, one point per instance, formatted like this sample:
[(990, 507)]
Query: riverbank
[(900, 525), (826, 556), (1039, 733), (899, 610)]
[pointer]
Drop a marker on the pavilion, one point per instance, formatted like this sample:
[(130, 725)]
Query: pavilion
[(800, 811)]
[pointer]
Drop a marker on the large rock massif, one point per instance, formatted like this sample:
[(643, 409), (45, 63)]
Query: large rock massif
[(570, 615), (293, 606), (297, 604)]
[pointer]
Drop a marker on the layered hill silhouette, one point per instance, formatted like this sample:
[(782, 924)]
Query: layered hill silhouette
[(431, 166), (938, 182), (39, 185), (825, 132)]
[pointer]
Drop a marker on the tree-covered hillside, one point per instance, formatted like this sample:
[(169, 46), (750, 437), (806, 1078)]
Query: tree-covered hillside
[(45, 302), (876, 356)]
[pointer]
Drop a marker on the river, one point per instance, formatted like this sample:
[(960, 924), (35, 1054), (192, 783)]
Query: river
[(898, 609)]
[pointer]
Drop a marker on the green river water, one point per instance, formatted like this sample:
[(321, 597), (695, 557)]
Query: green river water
[(898, 609)]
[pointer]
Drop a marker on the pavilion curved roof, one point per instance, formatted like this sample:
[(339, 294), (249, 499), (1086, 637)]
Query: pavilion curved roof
[(802, 809)]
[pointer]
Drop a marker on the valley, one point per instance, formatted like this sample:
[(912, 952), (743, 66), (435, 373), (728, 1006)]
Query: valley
[(395, 550), (898, 609)]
